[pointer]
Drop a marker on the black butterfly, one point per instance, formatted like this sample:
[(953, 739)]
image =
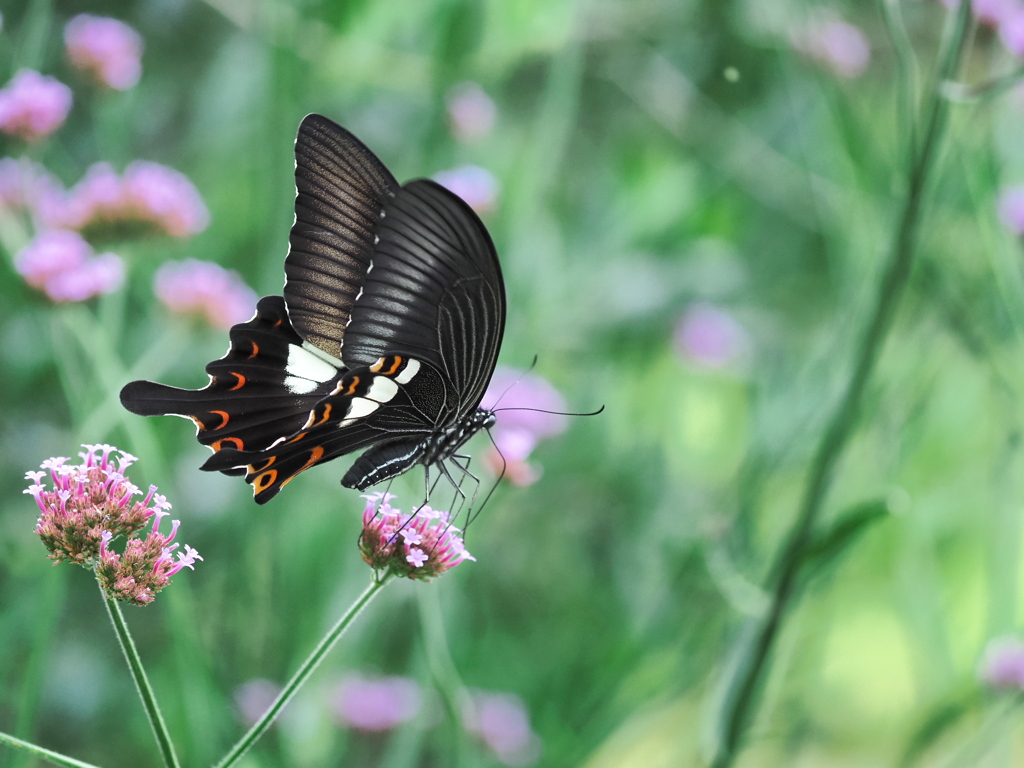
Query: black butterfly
[(386, 336)]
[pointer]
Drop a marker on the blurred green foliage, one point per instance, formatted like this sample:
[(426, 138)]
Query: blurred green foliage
[(651, 155)]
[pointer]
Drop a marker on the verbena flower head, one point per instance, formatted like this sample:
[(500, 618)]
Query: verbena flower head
[(108, 49), (204, 288), (1002, 664), (709, 336), (33, 105), (375, 704), (476, 185), (89, 504), (471, 112), (1011, 31), (517, 432), (418, 546), (1011, 208), (500, 721), (834, 43), (61, 263), (165, 197)]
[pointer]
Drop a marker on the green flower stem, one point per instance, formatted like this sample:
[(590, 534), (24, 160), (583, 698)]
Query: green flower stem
[(43, 754), (131, 655), (753, 664), (303, 673)]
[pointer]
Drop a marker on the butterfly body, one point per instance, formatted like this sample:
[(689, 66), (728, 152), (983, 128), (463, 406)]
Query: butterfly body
[(384, 339)]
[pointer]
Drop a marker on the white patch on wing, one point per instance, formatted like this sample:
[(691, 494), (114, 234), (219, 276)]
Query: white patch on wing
[(308, 367), (382, 389), (360, 407), (411, 369)]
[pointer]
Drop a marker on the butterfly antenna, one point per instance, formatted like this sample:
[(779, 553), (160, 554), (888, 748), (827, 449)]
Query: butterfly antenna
[(553, 413), (518, 379)]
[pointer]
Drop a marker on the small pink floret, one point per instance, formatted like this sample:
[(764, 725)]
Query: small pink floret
[(475, 185), (376, 704)]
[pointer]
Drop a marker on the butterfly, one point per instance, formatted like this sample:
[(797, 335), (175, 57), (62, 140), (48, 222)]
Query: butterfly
[(384, 339)]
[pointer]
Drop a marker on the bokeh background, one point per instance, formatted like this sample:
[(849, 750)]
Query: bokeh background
[(692, 201)]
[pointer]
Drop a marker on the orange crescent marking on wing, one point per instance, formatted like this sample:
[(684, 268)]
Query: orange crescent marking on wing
[(327, 413), (315, 455), (264, 480), (218, 444), (353, 385), (202, 427), (297, 438), (224, 415), (255, 350), (253, 469), (395, 366), (375, 368), (241, 381)]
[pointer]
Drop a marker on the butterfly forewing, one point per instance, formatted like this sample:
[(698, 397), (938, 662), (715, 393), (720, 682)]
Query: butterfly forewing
[(341, 190)]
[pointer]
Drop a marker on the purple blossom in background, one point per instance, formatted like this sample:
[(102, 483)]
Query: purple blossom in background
[(106, 48), (419, 546), (1002, 664), (97, 197), (61, 263), (471, 112), (162, 195), (500, 721), (993, 12), (476, 185), (835, 43), (253, 698), (517, 432), (375, 704), (1011, 31), (709, 336), (1011, 208), (204, 288), (33, 105)]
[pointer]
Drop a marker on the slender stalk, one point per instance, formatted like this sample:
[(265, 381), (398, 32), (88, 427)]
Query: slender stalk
[(442, 667), (740, 699), (131, 655), (303, 673), (43, 754)]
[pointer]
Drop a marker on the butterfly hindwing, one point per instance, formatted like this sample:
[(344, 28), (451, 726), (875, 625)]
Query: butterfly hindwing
[(262, 388)]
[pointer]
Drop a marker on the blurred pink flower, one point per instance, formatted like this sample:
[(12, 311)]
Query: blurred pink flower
[(254, 697), (1011, 208), (61, 263), (27, 186), (375, 703), (162, 195), (1011, 31), (204, 288), (990, 12), (33, 105), (1002, 664), (835, 43), (476, 185), (106, 48), (471, 112), (709, 336), (500, 721), (518, 430)]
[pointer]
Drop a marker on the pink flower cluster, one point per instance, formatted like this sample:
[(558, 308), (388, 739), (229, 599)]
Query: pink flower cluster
[(476, 185), (107, 49), (520, 399), (33, 106), (709, 336), (1002, 664), (1006, 17), (418, 546), (836, 44), (61, 263), (146, 193), (91, 503), (375, 704), (204, 288)]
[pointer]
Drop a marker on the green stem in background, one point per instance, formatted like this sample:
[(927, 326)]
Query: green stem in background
[(443, 670), (753, 665), (303, 673), (131, 655), (43, 754)]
